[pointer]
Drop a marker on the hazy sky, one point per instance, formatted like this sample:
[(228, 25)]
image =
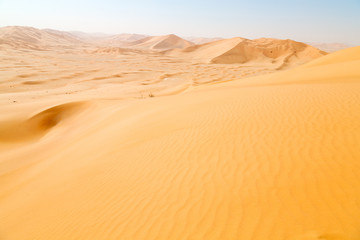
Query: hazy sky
[(302, 20)]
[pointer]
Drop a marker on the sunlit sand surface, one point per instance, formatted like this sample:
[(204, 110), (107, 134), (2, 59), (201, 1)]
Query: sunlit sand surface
[(140, 143)]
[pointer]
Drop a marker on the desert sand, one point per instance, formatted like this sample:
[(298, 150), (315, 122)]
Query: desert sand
[(155, 142)]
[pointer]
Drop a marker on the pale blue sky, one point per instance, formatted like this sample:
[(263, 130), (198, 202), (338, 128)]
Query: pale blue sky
[(302, 20)]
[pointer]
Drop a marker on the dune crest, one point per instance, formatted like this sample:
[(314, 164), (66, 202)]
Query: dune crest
[(39, 124), (346, 55)]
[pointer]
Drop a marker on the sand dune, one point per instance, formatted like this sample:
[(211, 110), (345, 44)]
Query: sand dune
[(202, 40), (278, 54), (32, 38), (37, 125), (85, 35), (40, 39), (270, 157), (126, 37), (161, 43), (119, 40), (108, 39), (283, 53)]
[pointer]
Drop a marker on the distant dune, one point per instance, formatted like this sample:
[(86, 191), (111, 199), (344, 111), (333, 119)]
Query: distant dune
[(282, 53), (202, 40), (161, 43), (127, 37), (32, 38), (121, 39)]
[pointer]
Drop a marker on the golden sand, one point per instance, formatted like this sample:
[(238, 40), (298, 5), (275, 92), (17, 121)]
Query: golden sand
[(141, 145)]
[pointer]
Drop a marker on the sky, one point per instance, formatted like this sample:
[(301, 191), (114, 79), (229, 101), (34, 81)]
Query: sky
[(322, 21)]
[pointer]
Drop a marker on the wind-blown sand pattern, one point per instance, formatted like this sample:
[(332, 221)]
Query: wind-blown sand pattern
[(114, 144)]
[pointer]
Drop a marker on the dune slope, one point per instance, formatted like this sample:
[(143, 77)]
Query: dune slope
[(271, 157)]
